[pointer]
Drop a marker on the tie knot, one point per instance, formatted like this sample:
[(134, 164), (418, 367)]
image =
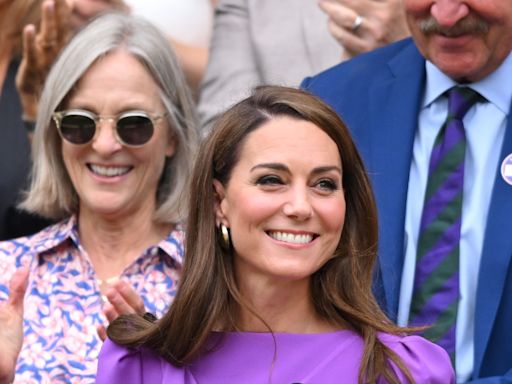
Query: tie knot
[(460, 100)]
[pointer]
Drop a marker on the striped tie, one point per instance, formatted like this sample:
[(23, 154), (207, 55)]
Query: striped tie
[(436, 282)]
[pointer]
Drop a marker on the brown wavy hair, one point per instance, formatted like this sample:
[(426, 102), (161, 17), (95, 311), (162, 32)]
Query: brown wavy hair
[(208, 298)]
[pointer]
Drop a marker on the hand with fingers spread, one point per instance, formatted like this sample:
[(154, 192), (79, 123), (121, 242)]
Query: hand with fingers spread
[(122, 300), (39, 51), (11, 325), (363, 25)]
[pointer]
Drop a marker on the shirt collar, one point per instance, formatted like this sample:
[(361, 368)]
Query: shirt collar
[(54, 235), (67, 230), (173, 244), (496, 88)]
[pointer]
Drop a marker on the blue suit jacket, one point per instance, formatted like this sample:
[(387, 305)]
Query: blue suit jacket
[(378, 95)]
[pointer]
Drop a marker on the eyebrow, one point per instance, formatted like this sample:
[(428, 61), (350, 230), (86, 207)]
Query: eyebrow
[(282, 167)]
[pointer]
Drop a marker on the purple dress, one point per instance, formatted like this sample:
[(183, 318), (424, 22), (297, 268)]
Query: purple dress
[(258, 358)]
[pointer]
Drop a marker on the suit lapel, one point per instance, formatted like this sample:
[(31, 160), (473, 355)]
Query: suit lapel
[(496, 256), (393, 108)]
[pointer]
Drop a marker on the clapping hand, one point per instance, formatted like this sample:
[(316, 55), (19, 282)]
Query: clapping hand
[(11, 325), (39, 52), (122, 300), (363, 25)]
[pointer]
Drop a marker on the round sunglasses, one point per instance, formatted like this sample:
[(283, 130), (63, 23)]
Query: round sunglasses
[(79, 126)]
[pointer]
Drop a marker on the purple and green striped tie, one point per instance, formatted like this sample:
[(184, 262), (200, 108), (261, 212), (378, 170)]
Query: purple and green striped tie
[(436, 282)]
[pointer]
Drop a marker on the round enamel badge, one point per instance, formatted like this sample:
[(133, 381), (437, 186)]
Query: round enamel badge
[(506, 169)]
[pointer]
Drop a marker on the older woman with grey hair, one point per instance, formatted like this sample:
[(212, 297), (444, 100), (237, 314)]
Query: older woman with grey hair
[(114, 140)]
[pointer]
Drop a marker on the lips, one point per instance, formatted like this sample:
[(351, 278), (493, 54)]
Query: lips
[(453, 45), (109, 171), (292, 238)]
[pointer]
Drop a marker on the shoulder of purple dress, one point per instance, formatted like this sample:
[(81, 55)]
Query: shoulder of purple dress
[(427, 362), (119, 364)]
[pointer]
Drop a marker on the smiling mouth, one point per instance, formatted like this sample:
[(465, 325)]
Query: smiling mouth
[(292, 238), (104, 171)]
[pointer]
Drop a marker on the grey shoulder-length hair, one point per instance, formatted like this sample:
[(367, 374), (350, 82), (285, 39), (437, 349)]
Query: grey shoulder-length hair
[(51, 193)]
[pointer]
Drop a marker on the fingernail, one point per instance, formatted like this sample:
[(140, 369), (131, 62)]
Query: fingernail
[(30, 28), (49, 5)]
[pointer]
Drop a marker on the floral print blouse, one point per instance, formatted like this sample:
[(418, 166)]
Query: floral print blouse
[(63, 304)]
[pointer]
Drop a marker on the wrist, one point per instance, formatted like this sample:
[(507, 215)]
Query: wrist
[(29, 104), (30, 126)]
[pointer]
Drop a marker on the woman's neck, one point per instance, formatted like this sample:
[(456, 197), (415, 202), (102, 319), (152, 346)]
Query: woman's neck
[(284, 306), (112, 244)]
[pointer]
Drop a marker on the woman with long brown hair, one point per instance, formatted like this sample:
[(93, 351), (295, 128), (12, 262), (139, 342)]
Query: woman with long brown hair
[(280, 250)]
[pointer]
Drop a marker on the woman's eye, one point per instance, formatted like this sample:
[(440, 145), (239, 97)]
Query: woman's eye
[(269, 180), (327, 185)]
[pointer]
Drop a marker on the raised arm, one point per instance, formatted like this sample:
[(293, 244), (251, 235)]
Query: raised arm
[(40, 48)]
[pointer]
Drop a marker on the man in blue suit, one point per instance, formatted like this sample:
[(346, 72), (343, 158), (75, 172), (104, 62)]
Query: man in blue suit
[(393, 99)]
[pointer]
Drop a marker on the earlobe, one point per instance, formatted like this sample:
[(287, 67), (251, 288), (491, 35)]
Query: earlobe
[(220, 203), (171, 147)]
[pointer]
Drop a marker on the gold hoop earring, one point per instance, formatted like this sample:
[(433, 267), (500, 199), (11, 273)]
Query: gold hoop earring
[(225, 235)]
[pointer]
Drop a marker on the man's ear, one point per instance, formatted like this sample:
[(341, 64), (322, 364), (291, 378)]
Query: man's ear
[(221, 205)]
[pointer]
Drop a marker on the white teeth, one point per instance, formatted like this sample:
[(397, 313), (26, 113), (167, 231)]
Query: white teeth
[(291, 238), (109, 171)]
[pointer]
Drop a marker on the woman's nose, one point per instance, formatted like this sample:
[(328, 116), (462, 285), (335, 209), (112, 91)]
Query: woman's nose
[(105, 141), (298, 205)]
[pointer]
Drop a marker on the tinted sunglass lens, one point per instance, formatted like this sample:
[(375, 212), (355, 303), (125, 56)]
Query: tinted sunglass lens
[(77, 129), (135, 130)]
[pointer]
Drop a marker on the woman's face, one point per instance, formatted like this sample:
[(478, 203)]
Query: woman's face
[(110, 178), (284, 202)]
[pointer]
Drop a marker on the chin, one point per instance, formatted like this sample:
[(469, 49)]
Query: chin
[(290, 274), (106, 207), (460, 70)]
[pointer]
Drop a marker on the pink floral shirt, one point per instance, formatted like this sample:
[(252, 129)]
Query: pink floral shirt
[(63, 304)]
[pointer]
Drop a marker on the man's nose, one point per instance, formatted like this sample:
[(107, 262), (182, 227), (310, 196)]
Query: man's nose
[(448, 12)]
